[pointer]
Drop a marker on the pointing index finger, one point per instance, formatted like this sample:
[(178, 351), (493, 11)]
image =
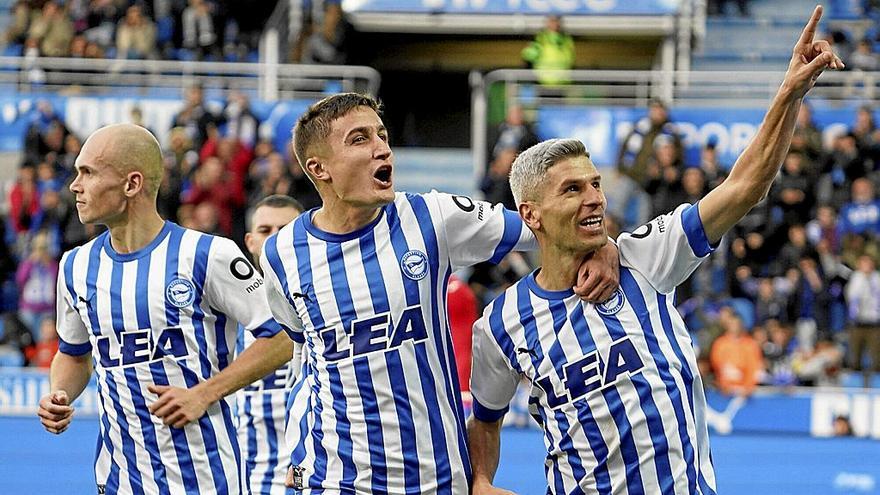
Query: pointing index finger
[(809, 31)]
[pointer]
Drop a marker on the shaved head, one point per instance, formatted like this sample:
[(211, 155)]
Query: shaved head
[(128, 148)]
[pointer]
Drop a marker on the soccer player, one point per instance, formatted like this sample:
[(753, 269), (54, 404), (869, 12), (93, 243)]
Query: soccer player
[(615, 385), (151, 304), (261, 406), (362, 281)]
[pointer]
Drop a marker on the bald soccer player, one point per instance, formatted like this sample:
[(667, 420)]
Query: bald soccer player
[(151, 306)]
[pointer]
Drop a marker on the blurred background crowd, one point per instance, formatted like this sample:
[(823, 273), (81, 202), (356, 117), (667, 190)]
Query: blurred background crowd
[(790, 297)]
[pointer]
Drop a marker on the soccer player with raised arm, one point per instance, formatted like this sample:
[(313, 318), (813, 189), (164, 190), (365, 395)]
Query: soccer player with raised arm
[(154, 307), (615, 385), (261, 406), (362, 282)]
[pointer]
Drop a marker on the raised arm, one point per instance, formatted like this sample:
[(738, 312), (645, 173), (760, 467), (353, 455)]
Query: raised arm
[(755, 169)]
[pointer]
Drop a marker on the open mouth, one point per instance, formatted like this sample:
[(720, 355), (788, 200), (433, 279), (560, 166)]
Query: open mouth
[(383, 175), (592, 222)]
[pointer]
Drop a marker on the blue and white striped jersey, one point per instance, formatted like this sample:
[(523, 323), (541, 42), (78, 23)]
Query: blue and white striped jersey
[(615, 385), (166, 314), (377, 409), (260, 410)]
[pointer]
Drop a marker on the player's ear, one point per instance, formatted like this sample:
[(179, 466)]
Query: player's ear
[(134, 183), (530, 215), (249, 241), (316, 168)]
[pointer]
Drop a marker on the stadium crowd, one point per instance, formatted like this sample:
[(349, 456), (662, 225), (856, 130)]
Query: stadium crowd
[(209, 30), (791, 297)]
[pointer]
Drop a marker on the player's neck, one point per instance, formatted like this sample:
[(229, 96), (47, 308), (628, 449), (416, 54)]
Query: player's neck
[(559, 268), (340, 218), (136, 232)]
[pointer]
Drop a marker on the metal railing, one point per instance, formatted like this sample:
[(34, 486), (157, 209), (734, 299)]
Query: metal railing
[(268, 81), (719, 89)]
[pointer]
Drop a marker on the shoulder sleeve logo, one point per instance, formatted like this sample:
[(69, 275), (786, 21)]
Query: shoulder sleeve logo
[(241, 268)]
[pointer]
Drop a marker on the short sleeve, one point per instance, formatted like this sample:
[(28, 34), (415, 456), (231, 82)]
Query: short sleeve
[(478, 231), (73, 336), (236, 288), (493, 381), (667, 249), (279, 304)]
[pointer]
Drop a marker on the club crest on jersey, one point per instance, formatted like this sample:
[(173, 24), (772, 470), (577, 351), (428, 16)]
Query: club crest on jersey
[(414, 264), (180, 292), (613, 305)]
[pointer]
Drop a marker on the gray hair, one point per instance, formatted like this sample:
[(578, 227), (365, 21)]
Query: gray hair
[(530, 167)]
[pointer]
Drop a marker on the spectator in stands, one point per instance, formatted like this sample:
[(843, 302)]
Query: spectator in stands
[(841, 427), (810, 303), (844, 164), (205, 218), (775, 342), (241, 122), (41, 353), (324, 34), (863, 58), (135, 35), (792, 192), (42, 134), (269, 176), (7, 259), (735, 356), (818, 366), (23, 13), (198, 29), (514, 133), (495, 184), (794, 250), (807, 138), (212, 184), (36, 277), (14, 340), (714, 172), (195, 116), (863, 128), (717, 7), (551, 51), (94, 50), (101, 19), (181, 155), (771, 302), (663, 176), (136, 117), (52, 31), (461, 306), (24, 202), (862, 214), (80, 49), (824, 228), (637, 149), (863, 301)]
